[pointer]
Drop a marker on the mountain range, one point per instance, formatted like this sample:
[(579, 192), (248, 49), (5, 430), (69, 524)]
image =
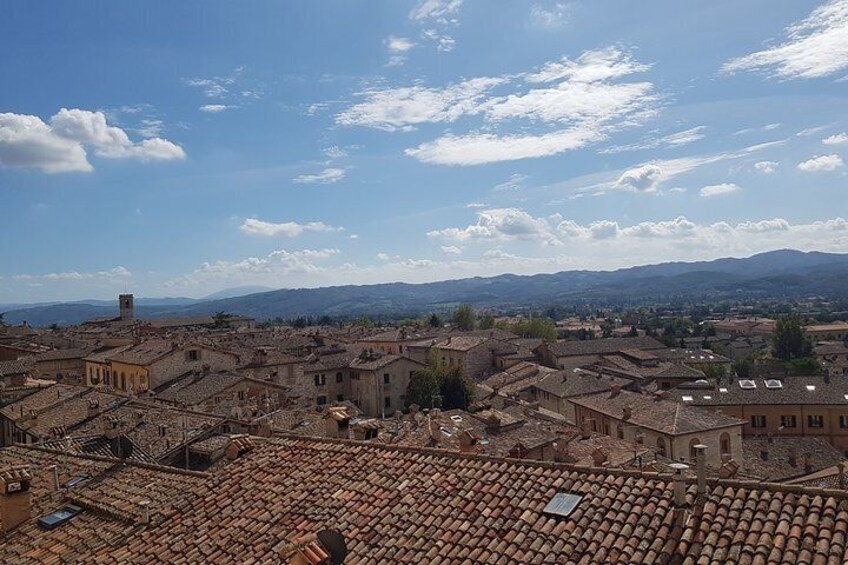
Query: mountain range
[(774, 275)]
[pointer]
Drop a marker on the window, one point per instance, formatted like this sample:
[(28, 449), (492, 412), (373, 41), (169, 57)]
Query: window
[(758, 421), (339, 398), (620, 432), (217, 400), (387, 379), (843, 422), (193, 355), (693, 453), (387, 402), (321, 400), (787, 421), (339, 377), (241, 395), (724, 443), (660, 447), (320, 380), (815, 421)]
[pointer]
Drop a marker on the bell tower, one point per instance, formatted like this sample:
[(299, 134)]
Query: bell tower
[(125, 304)]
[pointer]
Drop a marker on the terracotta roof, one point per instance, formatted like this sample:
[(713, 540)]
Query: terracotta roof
[(578, 382), (396, 505), (817, 390), (196, 389), (692, 356), (377, 362), (787, 457), (13, 367), (666, 416), (40, 400), (143, 354), (679, 371), (602, 346)]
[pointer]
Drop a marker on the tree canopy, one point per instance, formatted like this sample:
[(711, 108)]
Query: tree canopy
[(789, 339), (439, 386), (464, 317)]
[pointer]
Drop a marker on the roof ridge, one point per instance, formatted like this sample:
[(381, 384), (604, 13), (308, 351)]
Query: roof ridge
[(92, 457)]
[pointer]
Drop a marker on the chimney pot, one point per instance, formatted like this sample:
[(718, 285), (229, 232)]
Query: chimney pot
[(144, 509), (679, 484)]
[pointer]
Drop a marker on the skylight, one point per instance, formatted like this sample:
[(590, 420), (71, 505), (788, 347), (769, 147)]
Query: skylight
[(811, 388), (59, 517), (563, 504), (722, 389), (773, 383), (747, 384), (707, 397), (687, 398)]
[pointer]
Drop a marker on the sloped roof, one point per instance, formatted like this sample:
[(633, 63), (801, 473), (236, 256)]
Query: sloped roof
[(602, 346)]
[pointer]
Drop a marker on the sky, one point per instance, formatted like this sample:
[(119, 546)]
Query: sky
[(181, 148)]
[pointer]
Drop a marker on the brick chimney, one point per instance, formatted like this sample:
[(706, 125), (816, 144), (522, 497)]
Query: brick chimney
[(93, 408), (467, 442), (679, 482), (615, 390), (15, 497), (627, 412), (599, 457)]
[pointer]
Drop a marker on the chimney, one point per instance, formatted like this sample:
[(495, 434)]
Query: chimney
[(144, 510), (54, 472), (808, 466), (615, 390), (793, 457), (138, 417), (585, 428), (701, 461), (764, 453), (679, 481), (467, 442), (15, 497), (628, 412), (841, 467), (112, 426)]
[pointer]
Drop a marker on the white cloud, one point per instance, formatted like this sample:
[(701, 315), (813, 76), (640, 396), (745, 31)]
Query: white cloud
[(719, 189), (451, 250), (335, 152), (515, 182), (552, 17), (327, 176), (254, 226), (837, 139), (438, 10), (766, 167), (502, 224), (111, 275), (399, 44), (644, 178), (815, 47), (150, 127), (579, 101), (399, 108), (383, 256), (214, 108), (63, 144), (823, 163), (675, 139)]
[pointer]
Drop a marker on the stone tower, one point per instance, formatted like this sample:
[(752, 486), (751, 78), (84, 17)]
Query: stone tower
[(125, 303)]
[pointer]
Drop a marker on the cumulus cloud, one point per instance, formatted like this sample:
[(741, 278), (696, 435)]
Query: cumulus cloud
[(383, 256), (214, 108), (451, 250), (502, 224), (644, 178), (254, 226), (718, 189), (822, 164), (63, 144), (815, 47), (575, 102), (766, 167), (397, 47), (327, 176), (837, 139)]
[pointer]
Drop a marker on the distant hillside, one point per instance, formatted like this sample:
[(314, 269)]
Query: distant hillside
[(773, 275)]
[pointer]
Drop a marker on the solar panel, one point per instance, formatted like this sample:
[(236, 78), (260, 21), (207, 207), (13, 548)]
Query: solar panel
[(563, 504)]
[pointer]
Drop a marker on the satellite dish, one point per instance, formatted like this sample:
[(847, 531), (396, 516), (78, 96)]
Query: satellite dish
[(335, 545)]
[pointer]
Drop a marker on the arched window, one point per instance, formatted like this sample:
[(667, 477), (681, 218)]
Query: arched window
[(724, 442), (661, 447), (693, 453)]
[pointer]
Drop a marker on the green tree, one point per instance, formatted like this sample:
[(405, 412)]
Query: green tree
[(436, 321), (221, 320), (487, 322), (742, 368), (2, 321), (423, 390), (633, 332), (439, 386), (789, 341), (805, 366), (606, 328), (717, 372), (464, 317)]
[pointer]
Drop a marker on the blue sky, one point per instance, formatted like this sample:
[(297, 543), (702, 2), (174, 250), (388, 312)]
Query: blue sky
[(176, 149)]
